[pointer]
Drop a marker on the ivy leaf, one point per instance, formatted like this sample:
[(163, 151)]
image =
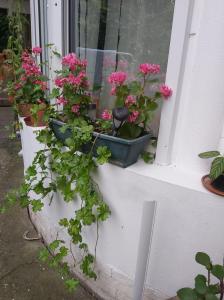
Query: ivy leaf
[(217, 168), (86, 266), (31, 171), (71, 284), (64, 222), (103, 155), (218, 271), (148, 157), (204, 260), (209, 154), (43, 255), (37, 205), (54, 245), (187, 294), (103, 212)]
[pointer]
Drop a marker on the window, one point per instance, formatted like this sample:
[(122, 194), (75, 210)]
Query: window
[(119, 35)]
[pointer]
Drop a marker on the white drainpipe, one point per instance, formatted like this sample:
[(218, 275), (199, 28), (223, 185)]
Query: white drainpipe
[(144, 247), (221, 141)]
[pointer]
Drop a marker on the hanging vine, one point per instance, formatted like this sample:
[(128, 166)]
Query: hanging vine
[(68, 172)]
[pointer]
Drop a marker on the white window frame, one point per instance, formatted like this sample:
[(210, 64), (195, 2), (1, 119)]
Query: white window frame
[(183, 11)]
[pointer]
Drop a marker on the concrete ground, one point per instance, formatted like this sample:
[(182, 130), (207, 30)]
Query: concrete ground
[(22, 276)]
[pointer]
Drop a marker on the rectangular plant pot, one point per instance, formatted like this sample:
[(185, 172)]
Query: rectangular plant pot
[(123, 152)]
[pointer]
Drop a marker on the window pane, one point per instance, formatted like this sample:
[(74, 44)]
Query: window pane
[(119, 35)]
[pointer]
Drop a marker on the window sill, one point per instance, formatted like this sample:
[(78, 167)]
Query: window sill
[(169, 174)]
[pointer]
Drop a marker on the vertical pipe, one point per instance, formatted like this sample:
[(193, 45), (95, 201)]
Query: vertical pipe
[(221, 141), (144, 247)]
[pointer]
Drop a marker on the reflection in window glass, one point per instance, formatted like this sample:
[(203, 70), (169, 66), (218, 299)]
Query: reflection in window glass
[(119, 35)]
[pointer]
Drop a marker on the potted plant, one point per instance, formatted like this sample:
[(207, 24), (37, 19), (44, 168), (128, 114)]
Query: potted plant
[(206, 288), (214, 181), (125, 129), (29, 90)]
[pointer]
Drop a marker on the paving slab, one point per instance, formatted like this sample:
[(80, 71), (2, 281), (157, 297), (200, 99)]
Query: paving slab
[(22, 276)]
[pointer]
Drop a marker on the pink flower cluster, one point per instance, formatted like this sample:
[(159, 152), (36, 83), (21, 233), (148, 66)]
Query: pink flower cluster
[(149, 68), (61, 101), (75, 108), (78, 80), (130, 100), (43, 84), (117, 78), (36, 50), (29, 65), (106, 115), (133, 116), (72, 61), (113, 91), (165, 91)]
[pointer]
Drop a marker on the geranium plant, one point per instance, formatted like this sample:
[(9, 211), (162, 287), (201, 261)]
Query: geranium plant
[(71, 89), (137, 98), (31, 84)]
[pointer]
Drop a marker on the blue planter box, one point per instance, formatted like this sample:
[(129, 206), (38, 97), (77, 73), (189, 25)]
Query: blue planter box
[(123, 152)]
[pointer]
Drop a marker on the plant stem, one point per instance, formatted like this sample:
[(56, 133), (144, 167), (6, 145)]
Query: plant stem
[(221, 289), (209, 277)]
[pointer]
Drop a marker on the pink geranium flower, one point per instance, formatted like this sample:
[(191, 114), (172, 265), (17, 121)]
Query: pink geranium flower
[(113, 91), (60, 81), (165, 91), (106, 115), (61, 101), (130, 100), (43, 84), (74, 80), (75, 108), (133, 116), (36, 50), (71, 61), (117, 78), (149, 69)]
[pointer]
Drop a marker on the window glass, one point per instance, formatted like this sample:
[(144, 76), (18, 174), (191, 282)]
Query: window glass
[(119, 35)]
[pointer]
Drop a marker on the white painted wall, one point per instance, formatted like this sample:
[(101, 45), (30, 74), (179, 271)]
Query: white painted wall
[(188, 218)]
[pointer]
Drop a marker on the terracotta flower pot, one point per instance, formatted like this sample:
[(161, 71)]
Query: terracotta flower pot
[(24, 109), (215, 186), (11, 99), (39, 120)]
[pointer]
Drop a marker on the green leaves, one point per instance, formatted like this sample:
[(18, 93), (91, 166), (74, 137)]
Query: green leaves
[(203, 289), (203, 259), (148, 157), (87, 266), (218, 271), (129, 131), (200, 284), (103, 155), (209, 154), (217, 167), (37, 205), (187, 294), (71, 284), (211, 297)]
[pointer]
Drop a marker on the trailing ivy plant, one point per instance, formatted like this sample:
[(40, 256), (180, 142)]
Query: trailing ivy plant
[(205, 288), (68, 171)]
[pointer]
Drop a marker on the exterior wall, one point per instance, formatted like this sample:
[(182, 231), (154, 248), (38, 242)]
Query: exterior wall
[(187, 218)]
